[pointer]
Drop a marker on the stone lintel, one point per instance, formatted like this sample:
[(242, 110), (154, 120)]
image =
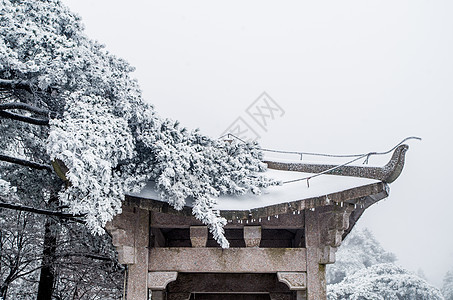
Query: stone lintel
[(294, 280), (232, 260), (243, 283), (159, 280), (198, 236), (252, 236)]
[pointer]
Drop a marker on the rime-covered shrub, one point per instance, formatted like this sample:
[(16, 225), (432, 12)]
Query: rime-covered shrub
[(383, 282)]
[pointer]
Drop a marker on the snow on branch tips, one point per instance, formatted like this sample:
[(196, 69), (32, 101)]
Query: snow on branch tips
[(91, 141)]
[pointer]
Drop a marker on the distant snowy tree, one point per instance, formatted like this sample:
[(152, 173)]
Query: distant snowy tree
[(447, 286), (359, 250), (365, 270), (383, 282)]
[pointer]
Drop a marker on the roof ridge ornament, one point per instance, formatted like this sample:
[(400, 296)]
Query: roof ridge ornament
[(387, 173)]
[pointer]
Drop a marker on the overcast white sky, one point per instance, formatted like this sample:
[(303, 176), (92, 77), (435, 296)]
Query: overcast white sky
[(351, 76)]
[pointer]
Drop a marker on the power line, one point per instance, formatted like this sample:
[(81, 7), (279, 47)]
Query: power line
[(324, 154)]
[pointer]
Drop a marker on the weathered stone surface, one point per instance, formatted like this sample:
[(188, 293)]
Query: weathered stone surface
[(233, 260), (159, 280), (327, 255), (294, 280), (166, 220), (252, 236), (198, 236), (126, 255), (137, 279)]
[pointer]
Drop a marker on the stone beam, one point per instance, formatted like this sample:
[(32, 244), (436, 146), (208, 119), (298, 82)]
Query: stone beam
[(233, 260)]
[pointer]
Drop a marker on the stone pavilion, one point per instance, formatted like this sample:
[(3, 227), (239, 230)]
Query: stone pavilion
[(280, 241)]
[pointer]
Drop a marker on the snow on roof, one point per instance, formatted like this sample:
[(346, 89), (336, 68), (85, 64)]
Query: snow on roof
[(299, 190), (319, 186)]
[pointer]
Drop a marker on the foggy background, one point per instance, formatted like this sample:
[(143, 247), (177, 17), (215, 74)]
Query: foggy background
[(351, 77)]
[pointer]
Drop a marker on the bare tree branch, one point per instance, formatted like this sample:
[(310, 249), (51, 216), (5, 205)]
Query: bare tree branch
[(15, 84), (87, 255), (25, 119), (25, 106), (26, 163), (47, 212)]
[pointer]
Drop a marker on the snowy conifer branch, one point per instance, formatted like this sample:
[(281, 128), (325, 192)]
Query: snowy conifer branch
[(31, 120), (26, 163)]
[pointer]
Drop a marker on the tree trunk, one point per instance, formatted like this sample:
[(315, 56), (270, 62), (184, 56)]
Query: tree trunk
[(4, 286), (47, 277), (3, 291)]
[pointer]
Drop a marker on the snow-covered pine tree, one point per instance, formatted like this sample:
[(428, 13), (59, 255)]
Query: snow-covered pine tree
[(68, 101)]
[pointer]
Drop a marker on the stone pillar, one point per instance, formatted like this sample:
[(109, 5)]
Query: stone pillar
[(198, 236), (316, 273), (252, 236), (130, 236), (324, 228), (137, 288)]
